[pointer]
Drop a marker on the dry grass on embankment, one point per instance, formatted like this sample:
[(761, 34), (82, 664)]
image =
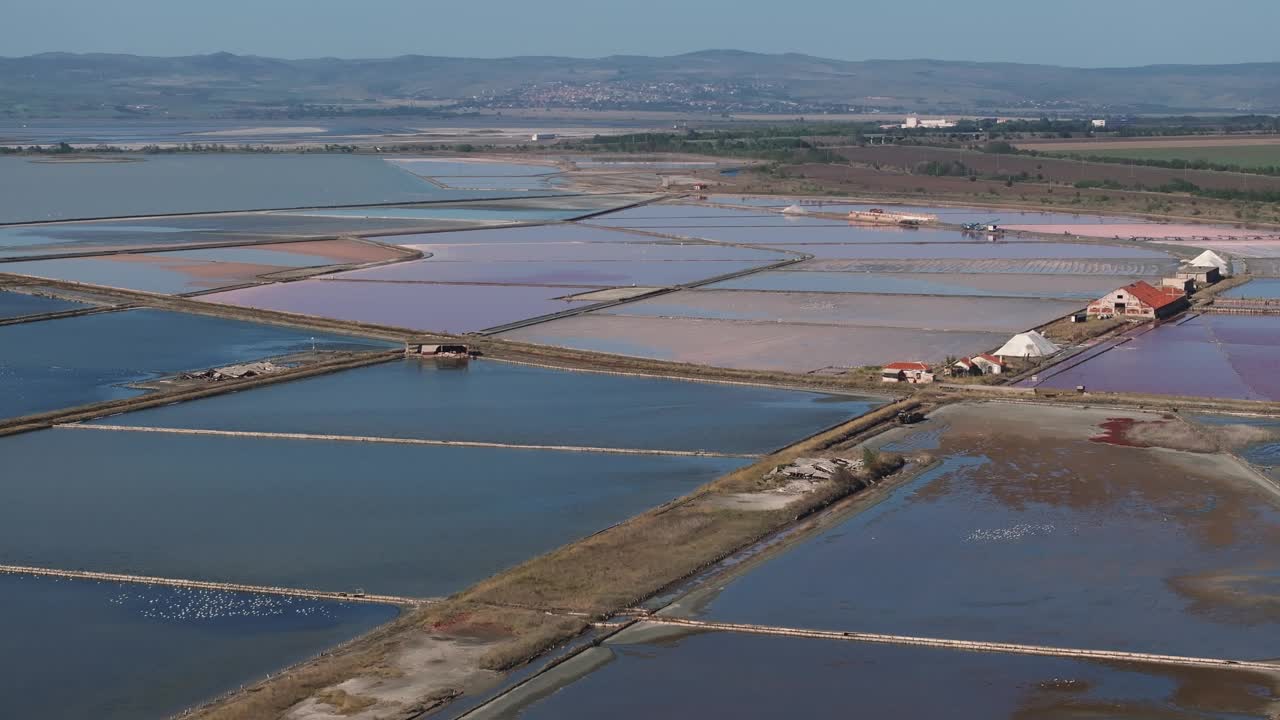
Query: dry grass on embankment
[(523, 612), (630, 562), (1064, 331)]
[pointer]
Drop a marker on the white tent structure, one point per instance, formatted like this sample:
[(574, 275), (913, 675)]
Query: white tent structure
[(1027, 345), (794, 210), (1209, 258)]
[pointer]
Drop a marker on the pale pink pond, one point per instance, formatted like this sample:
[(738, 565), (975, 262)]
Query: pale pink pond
[(1118, 268), (753, 345), (1127, 230), (416, 306), (903, 311), (976, 251), (1256, 246), (957, 215)]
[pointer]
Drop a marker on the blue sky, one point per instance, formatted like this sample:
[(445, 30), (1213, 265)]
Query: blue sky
[(1079, 33)]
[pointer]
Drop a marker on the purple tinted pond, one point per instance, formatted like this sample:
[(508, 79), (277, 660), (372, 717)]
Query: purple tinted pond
[(1227, 356), (144, 276), (661, 672), (601, 274), (417, 306)]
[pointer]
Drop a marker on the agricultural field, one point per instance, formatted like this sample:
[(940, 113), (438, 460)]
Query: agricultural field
[(1245, 156)]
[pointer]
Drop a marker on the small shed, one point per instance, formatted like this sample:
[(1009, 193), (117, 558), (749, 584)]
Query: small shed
[(1184, 285), (1199, 274), (450, 350), (984, 364)]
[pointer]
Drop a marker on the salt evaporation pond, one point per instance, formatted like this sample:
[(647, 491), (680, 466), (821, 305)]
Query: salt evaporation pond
[(578, 274), (652, 671), (794, 234), (571, 251), (797, 279), (954, 215), (1044, 526), (113, 651), (16, 304), (153, 184), (171, 231), (92, 358), (1224, 356), (1037, 251), (429, 213), (442, 167), (503, 183), (386, 518), (500, 402), (1264, 288), (1116, 268), (703, 215), (753, 345), (186, 271), (556, 233), (548, 233), (416, 306), (482, 174), (863, 310)]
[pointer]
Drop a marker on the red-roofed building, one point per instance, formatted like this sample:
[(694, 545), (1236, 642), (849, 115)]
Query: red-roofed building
[(908, 372), (1140, 300), (984, 364)]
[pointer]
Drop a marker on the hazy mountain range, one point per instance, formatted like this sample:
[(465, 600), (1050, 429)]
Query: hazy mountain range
[(710, 81)]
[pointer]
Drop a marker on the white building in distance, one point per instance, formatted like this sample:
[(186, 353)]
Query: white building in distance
[(913, 122)]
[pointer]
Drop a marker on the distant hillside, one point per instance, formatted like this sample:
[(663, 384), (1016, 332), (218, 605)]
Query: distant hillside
[(709, 81)]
